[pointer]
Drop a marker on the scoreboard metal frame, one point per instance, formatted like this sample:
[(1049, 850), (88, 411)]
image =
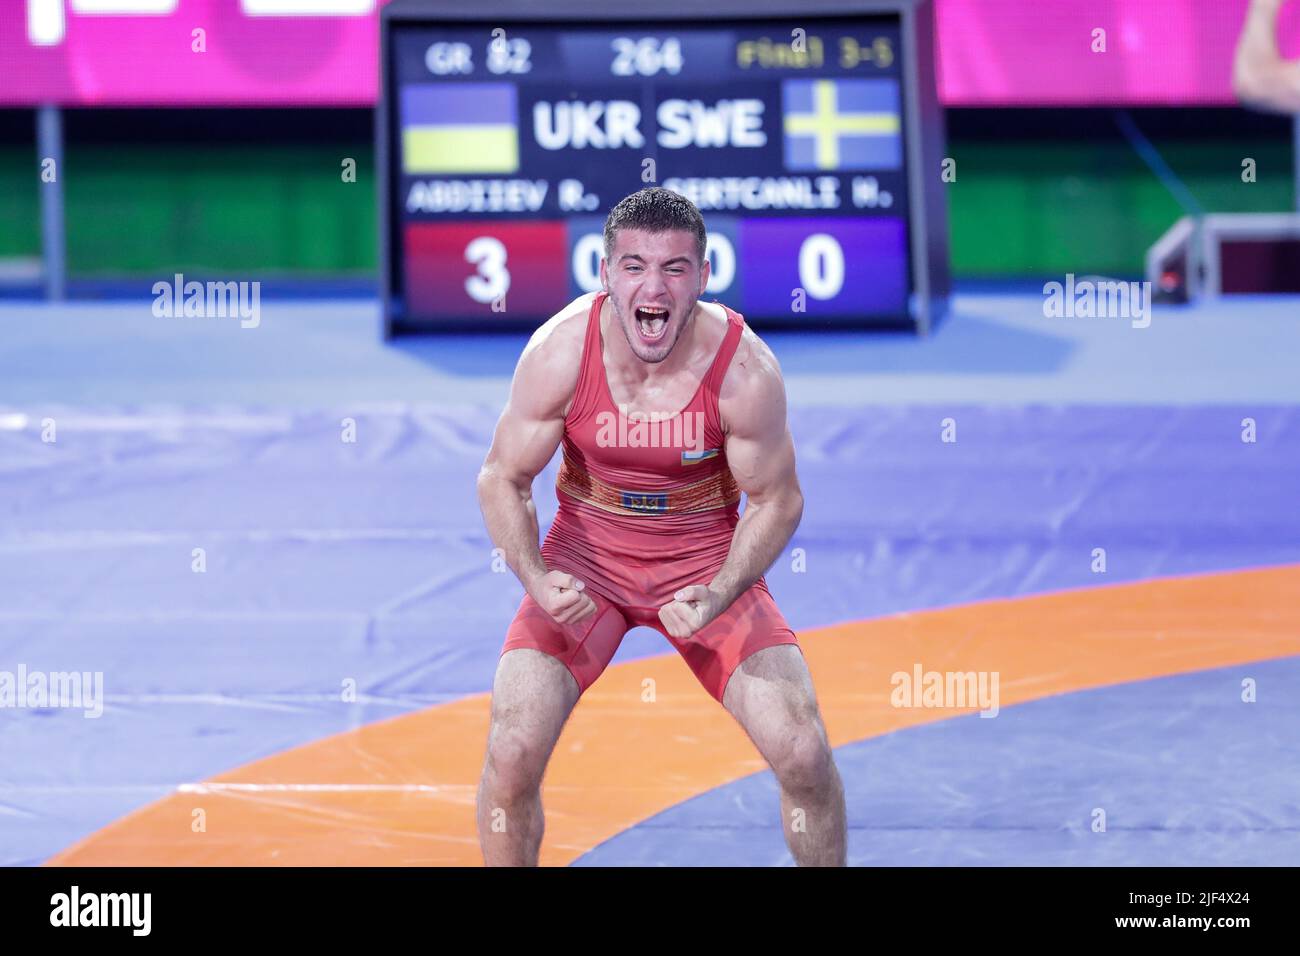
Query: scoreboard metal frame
[(923, 127)]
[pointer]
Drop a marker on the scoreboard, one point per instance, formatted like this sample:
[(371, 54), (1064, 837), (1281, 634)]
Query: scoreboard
[(811, 142)]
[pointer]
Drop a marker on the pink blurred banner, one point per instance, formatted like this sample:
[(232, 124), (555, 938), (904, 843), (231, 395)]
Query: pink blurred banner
[(1019, 52), (325, 52), (144, 52)]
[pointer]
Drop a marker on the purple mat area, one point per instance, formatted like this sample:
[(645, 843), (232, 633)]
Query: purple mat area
[(1186, 773), (330, 561)]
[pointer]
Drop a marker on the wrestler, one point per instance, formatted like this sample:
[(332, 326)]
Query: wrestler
[(667, 409)]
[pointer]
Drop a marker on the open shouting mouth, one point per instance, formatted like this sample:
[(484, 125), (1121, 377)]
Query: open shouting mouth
[(651, 323)]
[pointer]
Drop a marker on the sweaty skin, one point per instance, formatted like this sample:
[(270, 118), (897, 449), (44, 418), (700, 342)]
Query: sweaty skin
[(647, 374)]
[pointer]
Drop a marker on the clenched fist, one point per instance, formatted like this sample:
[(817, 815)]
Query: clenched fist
[(692, 608), (560, 595)]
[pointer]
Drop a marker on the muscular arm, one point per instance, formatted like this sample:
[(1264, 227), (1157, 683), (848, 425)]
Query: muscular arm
[(761, 455), (526, 436), (1260, 77)]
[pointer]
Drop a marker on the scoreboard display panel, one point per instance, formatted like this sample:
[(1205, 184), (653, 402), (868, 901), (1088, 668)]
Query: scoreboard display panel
[(505, 142)]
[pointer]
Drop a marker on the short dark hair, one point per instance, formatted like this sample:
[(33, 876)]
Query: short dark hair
[(655, 209)]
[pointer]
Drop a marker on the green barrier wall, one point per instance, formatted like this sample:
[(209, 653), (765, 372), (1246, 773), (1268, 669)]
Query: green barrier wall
[(1018, 207)]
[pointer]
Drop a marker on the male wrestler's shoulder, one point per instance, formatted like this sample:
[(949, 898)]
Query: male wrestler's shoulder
[(555, 349), (754, 373)]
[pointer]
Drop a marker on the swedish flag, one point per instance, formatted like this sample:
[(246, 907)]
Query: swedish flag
[(842, 124), (460, 128)]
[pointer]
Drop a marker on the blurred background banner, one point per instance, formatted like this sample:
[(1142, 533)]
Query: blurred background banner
[(304, 52), (146, 52), (1156, 52), (230, 160)]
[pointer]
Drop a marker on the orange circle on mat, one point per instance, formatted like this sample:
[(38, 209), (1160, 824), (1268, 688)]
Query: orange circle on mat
[(401, 792)]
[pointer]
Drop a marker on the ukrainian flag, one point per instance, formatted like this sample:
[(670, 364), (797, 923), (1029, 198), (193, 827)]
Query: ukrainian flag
[(460, 128), (695, 457), (842, 124)]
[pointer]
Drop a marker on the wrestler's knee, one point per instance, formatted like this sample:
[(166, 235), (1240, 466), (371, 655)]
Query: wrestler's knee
[(515, 763), (805, 762)]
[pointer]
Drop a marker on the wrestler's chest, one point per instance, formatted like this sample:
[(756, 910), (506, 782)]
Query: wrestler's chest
[(660, 400)]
